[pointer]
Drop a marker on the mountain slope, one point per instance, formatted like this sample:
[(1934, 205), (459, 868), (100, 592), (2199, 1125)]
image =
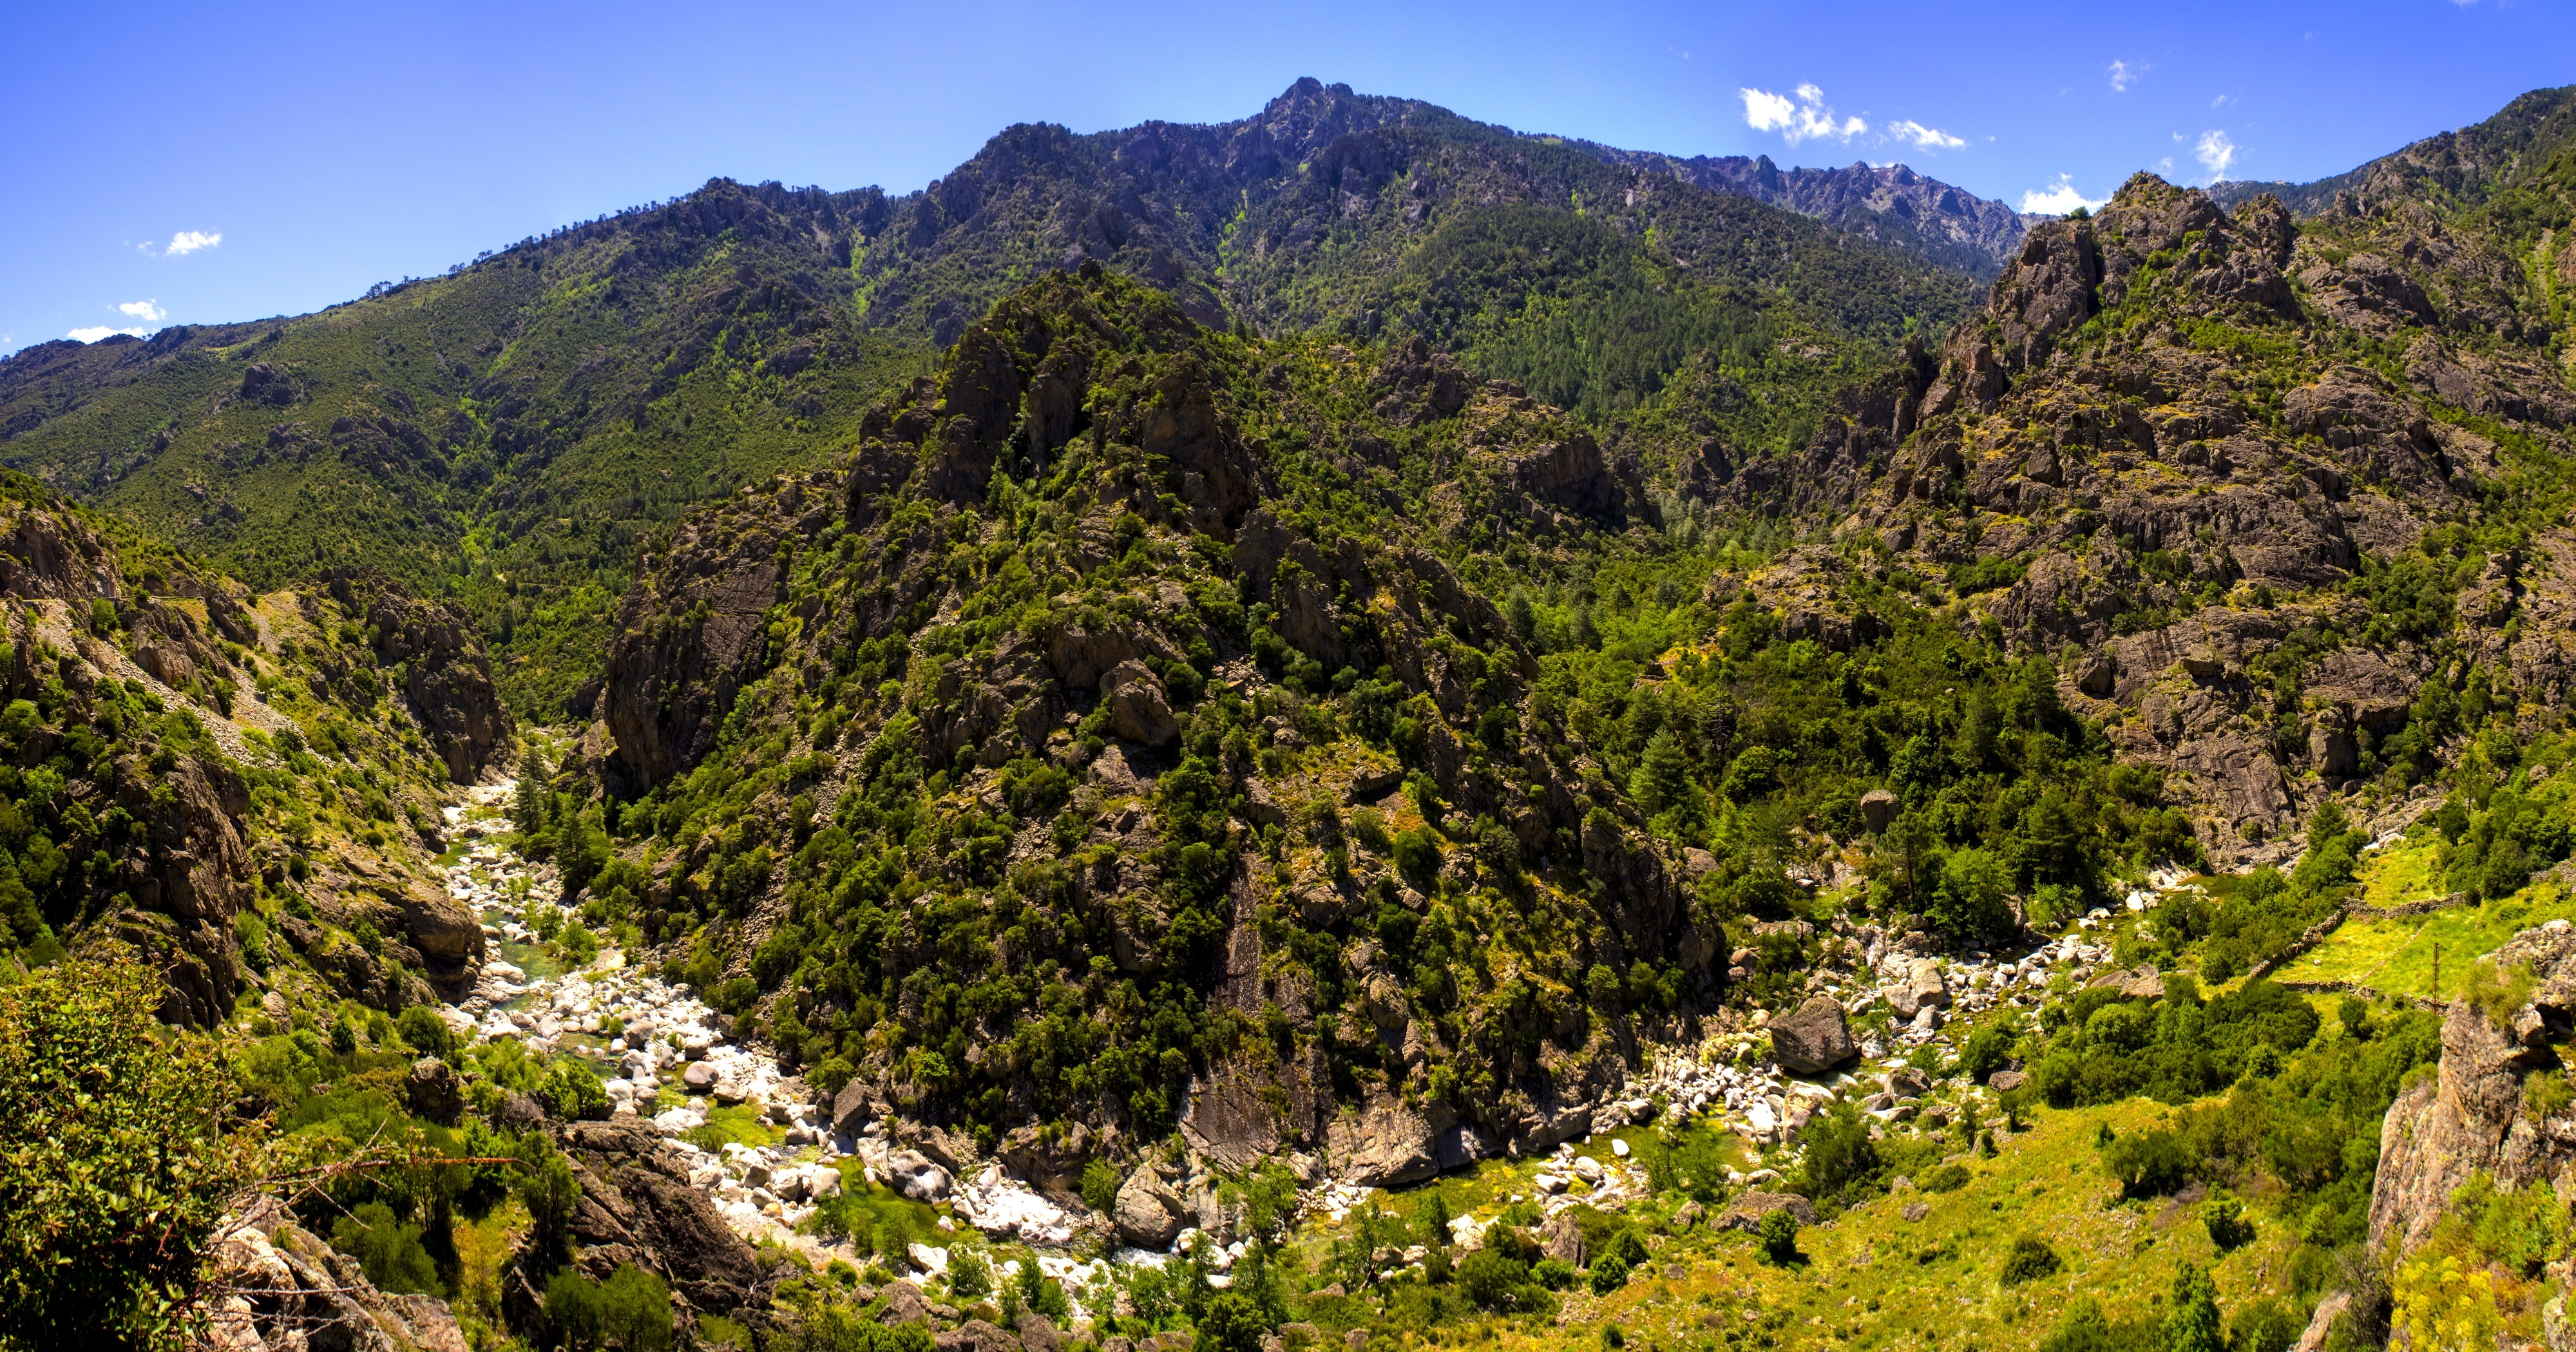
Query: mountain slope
[(1890, 204), (503, 434)]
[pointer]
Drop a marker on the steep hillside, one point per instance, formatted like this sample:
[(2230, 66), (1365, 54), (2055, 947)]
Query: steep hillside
[(1890, 204), (503, 434), (227, 782)]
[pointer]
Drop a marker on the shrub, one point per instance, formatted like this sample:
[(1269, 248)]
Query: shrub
[(2148, 1163), (1555, 1274), (969, 1275), (389, 1250), (425, 1032), (1779, 1235), (80, 1191), (572, 1091), (1609, 1274), (1231, 1323), (1947, 1178), (2228, 1227), (2029, 1260), (1100, 1183), (1492, 1279)]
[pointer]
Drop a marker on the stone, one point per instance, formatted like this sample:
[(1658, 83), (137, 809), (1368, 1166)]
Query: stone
[(1915, 1211), (1139, 709), (1563, 1239), (1754, 1204), (1687, 1215), (1877, 809), (1147, 1214), (2006, 1081), (434, 1091), (699, 1077), (1814, 1038)]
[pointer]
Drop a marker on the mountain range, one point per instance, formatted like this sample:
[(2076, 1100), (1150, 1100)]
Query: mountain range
[(1477, 735)]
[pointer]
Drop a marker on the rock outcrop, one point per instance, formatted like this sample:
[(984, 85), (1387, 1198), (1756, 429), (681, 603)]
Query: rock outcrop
[(2469, 1117), (282, 1289)]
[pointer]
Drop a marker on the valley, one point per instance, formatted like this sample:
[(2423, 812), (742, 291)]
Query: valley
[(1350, 727)]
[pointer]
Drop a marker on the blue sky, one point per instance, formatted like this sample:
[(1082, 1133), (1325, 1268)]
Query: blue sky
[(193, 163)]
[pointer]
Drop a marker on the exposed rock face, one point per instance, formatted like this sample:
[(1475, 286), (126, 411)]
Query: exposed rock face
[(2166, 542), (1148, 1213), (692, 631), (1888, 203), (284, 1288), (2469, 1117), (637, 1207), (446, 675), (1814, 1038)]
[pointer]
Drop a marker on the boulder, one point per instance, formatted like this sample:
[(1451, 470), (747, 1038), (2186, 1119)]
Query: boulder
[(1814, 1038), (2006, 1081), (434, 1091), (1563, 1240), (916, 1177), (1754, 1204), (976, 1335), (903, 1303), (1139, 710), (444, 930), (1147, 1213), (1877, 809)]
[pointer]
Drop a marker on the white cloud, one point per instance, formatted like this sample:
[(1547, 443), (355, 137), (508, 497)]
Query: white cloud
[(1767, 112), (2220, 101), (1929, 138), (2216, 152), (149, 311), (98, 331), (2058, 199), (1806, 119), (190, 241), (2124, 75)]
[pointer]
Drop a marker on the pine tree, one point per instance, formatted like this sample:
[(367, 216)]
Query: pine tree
[(2194, 1325)]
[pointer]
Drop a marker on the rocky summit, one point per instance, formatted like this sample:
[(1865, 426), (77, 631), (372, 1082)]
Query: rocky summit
[(1346, 728)]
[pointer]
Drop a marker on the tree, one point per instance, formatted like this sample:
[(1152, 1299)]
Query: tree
[(1969, 900), (1232, 1323), (1779, 1235), (550, 1192), (1662, 781), (2193, 1324), (118, 1157), (1491, 1279)]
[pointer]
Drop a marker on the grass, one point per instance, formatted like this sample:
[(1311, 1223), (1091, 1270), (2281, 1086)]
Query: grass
[(1872, 1279), (740, 1123), (2396, 957), (2408, 870)]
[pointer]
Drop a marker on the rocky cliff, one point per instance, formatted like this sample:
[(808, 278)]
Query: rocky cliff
[(176, 749), (2199, 453), (1890, 203)]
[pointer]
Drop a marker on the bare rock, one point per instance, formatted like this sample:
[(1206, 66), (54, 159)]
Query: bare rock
[(1147, 1213), (1754, 1204), (1814, 1038), (1139, 710)]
